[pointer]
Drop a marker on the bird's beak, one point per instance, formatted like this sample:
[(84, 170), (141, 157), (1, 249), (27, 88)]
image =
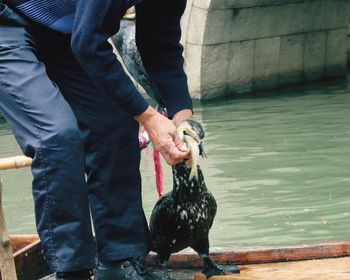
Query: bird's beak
[(188, 131), (194, 152), (192, 133)]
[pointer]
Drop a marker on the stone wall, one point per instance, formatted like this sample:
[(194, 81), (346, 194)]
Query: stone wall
[(237, 46)]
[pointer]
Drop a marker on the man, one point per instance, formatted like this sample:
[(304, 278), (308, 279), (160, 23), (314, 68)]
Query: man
[(73, 110)]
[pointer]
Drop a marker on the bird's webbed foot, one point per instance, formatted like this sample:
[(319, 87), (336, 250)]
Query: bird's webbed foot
[(211, 268), (166, 275)]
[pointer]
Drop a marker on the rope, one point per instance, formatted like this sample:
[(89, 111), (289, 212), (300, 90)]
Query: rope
[(158, 173)]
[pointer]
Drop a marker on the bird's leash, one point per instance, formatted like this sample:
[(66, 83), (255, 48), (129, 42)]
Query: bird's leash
[(145, 141), (158, 170)]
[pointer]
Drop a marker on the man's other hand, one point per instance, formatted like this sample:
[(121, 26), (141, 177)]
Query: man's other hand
[(164, 136)]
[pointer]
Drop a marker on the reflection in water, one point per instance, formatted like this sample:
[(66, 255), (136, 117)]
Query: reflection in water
[(278, 166)]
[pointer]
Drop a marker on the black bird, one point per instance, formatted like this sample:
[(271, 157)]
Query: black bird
[(183, 217), (124, 42)]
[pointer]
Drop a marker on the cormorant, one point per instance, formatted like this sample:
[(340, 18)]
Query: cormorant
[(125, 43), (183, 217)]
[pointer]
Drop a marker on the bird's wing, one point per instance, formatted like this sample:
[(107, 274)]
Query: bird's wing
[(138, 71), (161, 217), (163, 226), (212, 208)]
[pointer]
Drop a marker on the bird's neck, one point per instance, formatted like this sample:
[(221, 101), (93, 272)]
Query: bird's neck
[(185, 190)]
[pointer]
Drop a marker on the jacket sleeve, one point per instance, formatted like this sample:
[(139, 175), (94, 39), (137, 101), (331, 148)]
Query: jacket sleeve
[(95, 22), (158, 34)]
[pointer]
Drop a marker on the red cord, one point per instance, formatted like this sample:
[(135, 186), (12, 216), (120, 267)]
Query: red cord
[(144, 141), (159, 173)]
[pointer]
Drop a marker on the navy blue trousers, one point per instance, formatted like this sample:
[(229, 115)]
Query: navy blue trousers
[(84, 147)]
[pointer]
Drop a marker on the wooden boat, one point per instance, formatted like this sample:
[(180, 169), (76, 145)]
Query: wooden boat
[(30, 264), (304, 262), (327, 261)]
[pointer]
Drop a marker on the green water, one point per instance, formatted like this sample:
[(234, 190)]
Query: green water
[(278, 165)]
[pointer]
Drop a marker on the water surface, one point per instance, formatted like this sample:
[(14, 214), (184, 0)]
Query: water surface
[(278, 165)]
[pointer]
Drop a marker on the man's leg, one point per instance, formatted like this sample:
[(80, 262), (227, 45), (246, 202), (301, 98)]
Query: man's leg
[(112, 159), (46, 130)]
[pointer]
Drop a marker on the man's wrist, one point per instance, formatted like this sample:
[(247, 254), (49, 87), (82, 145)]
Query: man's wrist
[(182, 115), (146, 115)]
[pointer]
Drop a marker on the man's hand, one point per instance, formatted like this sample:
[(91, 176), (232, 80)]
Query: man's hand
[(163, 135)]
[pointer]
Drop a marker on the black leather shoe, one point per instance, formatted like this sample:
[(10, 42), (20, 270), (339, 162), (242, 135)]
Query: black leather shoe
[(132, 269), (85, 274)]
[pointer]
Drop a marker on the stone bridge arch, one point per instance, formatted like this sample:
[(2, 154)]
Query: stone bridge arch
[(237, 46)]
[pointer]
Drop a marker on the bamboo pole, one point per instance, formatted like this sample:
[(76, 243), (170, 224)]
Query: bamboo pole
[(7, 262), (15, 162), (226, 277)]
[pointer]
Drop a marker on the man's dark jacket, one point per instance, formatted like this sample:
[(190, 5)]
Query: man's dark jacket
[(92, 22)]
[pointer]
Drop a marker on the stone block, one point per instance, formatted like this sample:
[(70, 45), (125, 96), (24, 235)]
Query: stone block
[(245, 24), (238, 4), (241, 67), (213, 92), (336, 52), (315, 55), (230, 4), (291, 59), (203, 4), (218, 28), (185, 21), (238, 24), (348, 49), (271, 21), (214, 66), (348, 43), (193, 60), (330, 14), (267, 54), (298, 18), (262, 22), (196, 26)]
